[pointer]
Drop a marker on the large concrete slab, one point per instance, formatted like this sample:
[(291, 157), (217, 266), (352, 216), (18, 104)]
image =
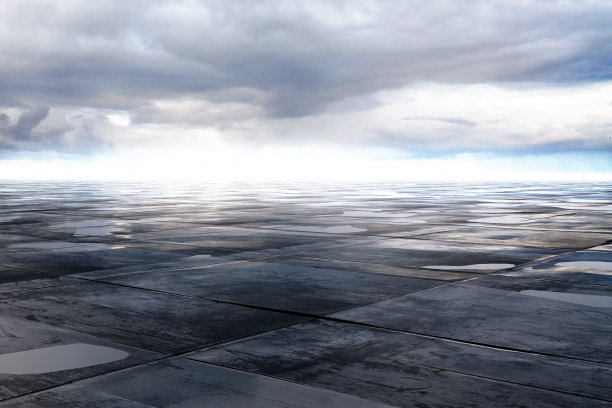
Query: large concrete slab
[(399, 368), (182, 383), (281, 286), (511, 313), (196, 261), (70, 260), (10, 275), (140, 318)]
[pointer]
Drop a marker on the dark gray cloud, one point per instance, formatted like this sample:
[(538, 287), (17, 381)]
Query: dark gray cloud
[(424, 145), (305, 54), (35, 128), (20, 134), (279, 59)]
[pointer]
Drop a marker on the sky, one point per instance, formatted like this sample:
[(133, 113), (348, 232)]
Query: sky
[(188, 89)]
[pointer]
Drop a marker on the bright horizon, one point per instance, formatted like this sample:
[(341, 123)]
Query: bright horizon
[(293, 165)]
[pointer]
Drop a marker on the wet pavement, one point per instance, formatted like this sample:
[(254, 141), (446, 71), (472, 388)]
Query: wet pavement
[(311, 295)]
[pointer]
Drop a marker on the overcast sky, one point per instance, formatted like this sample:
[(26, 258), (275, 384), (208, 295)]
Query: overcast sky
[(389, 79)]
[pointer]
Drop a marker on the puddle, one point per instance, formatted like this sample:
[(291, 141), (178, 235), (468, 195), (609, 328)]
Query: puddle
[(58, 358), (330, 204), (577, 298), (336, 229), (492, 210), (83, 224), (600, 265), (358, 213), (401, 221), (504, 219), (42, 245), (607, 247), (474, 267), (343, 229), (95, 231)]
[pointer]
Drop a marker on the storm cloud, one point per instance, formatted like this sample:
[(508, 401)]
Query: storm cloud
[(257, 71), (20, 133)]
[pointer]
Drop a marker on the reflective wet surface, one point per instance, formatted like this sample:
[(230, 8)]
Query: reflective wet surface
[(308, 295), (58, 358), (602, 266), (580, 299), (475, 267)]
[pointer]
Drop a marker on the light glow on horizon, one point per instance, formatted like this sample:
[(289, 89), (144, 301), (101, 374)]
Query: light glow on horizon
[(312, 163)]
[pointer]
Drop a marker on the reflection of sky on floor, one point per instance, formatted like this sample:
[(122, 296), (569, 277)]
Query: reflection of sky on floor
[(475, 267), (58, 358), (578, 298), (336, 229), (332, 290), (602, 266)]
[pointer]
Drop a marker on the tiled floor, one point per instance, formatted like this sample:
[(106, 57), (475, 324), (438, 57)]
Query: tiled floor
[(313, 295)]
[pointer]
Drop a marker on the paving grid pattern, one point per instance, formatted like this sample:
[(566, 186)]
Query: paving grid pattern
[(312, 295)]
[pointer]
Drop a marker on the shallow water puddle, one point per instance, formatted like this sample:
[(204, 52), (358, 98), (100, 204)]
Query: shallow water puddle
[(475, 267), (600, 265), (58, 358), (607, 247), (504, 219), (577, 298), (331, 204), (336, 229), (362, 213), (83, 224), (492, 210), (96, 231)]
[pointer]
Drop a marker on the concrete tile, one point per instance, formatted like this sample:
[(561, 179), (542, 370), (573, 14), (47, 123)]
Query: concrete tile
[(370, 362), (182, 383), (498, 314), (140, 318), (190, 262), (10, 275), (281, 286), (68, 261)]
